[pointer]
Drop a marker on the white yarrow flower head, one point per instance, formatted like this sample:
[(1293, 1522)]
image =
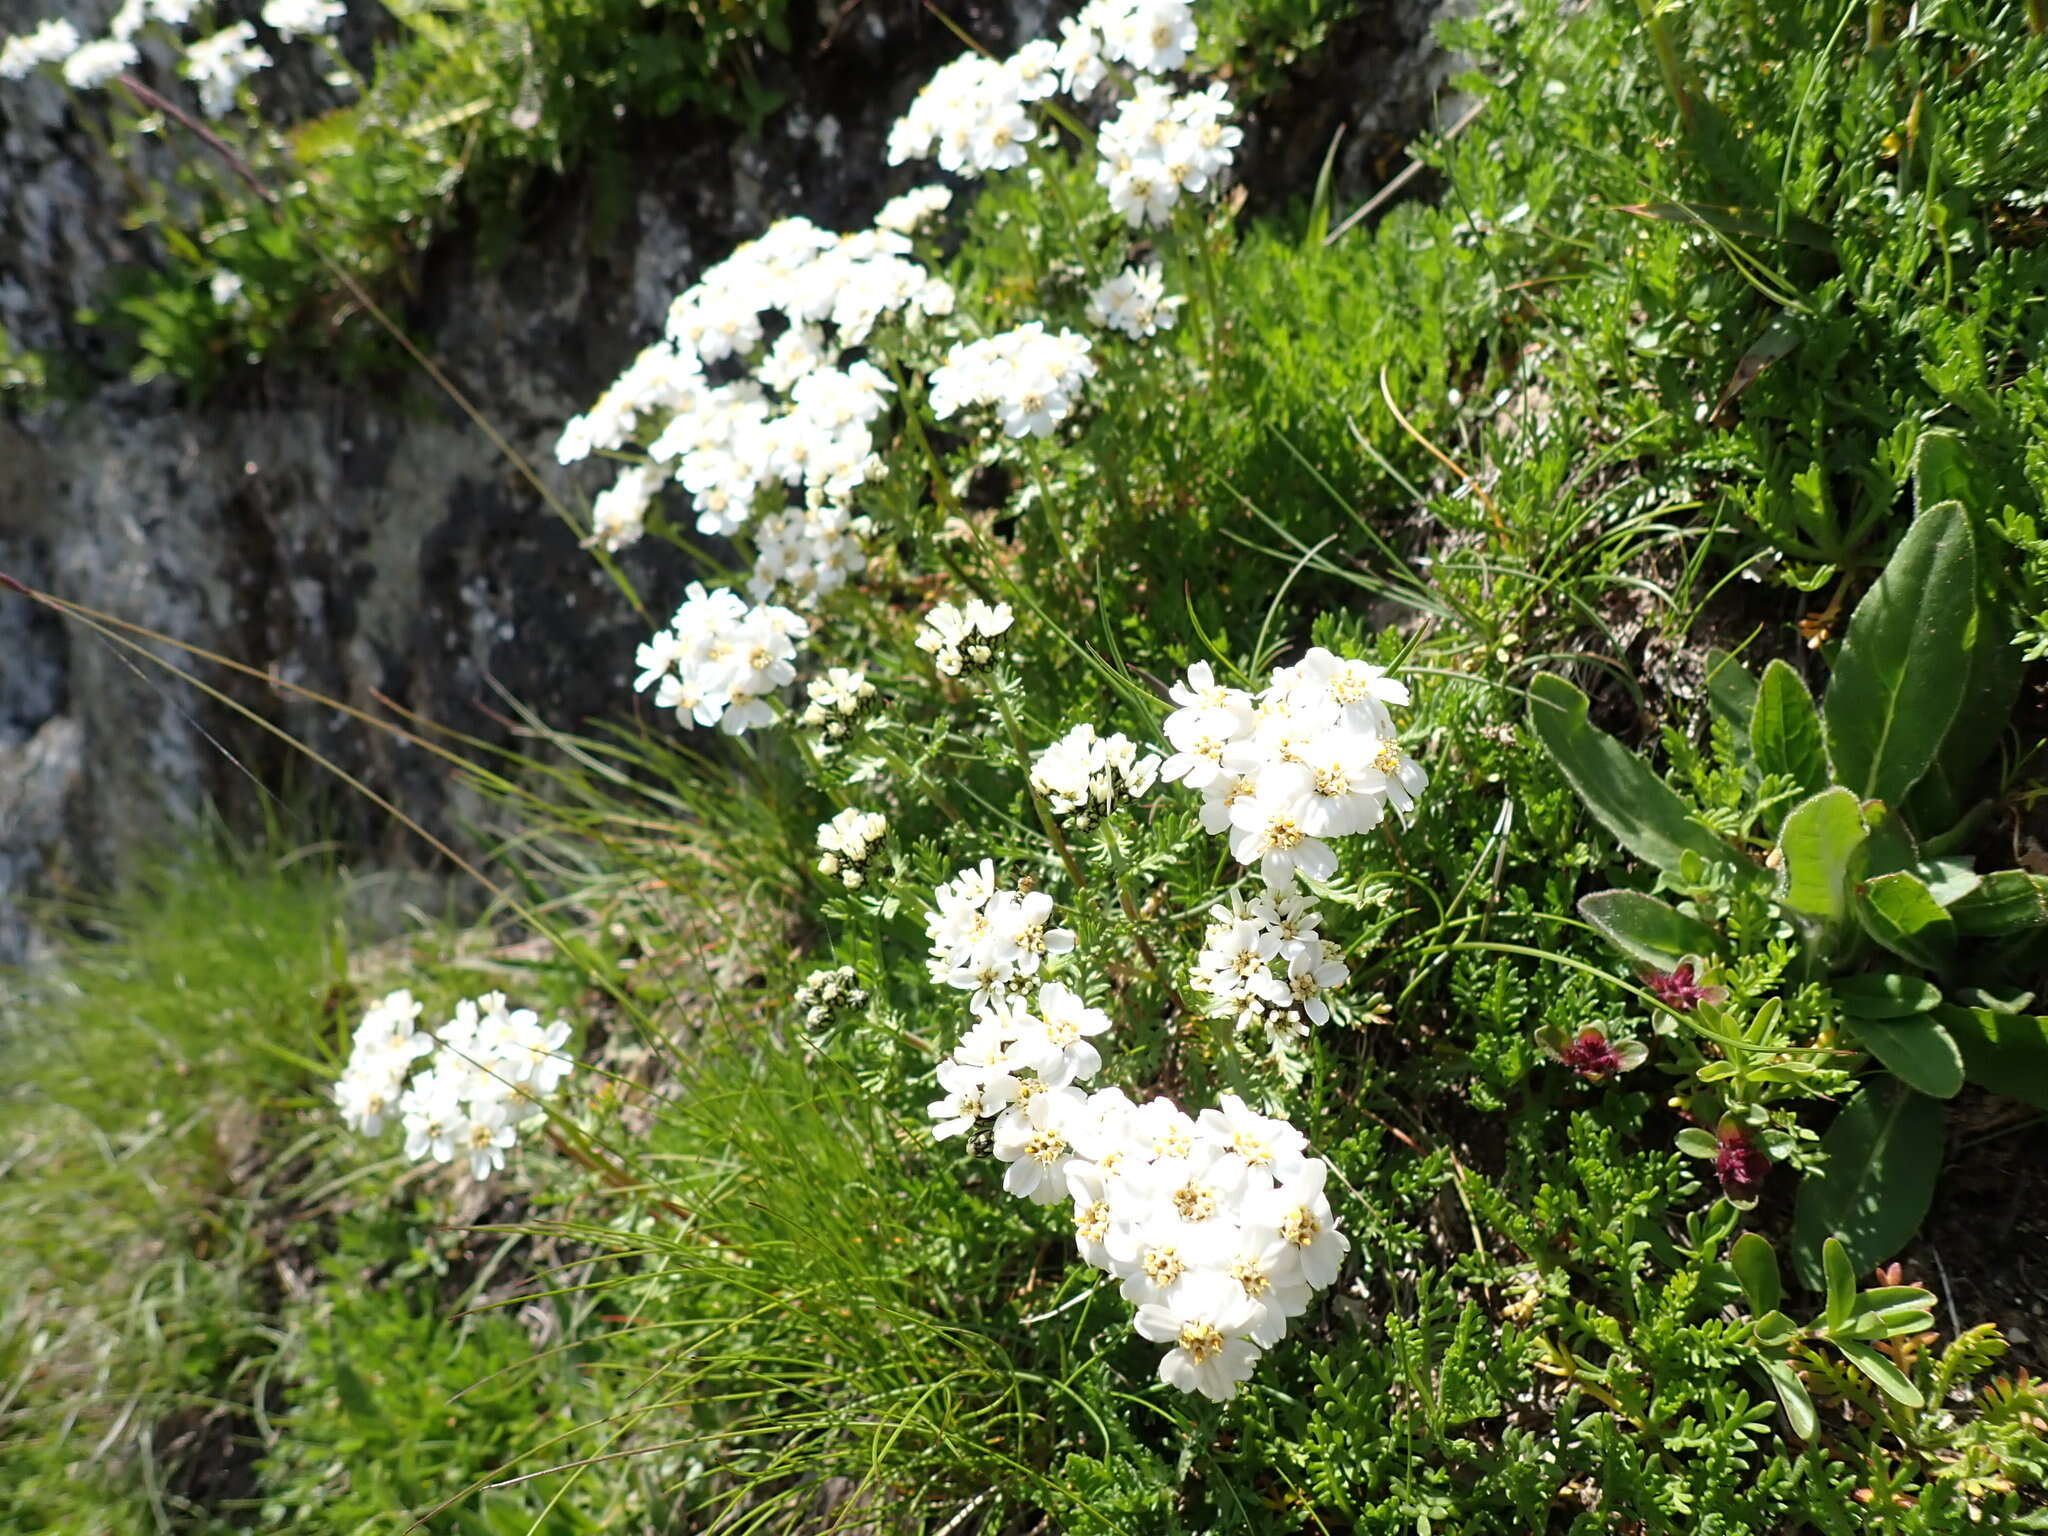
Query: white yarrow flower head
[(720, 661), (907, 214), (989, 941), (618, 517), (1031, 378), (218, 65), (1160, 146), (1084, 776), (847, 842), (838, 701), (963, 640), (486, 1071), (95, 63), (1134, 302), (52, 42), (294, 19)]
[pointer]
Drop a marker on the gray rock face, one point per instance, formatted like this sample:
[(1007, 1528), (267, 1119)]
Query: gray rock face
[(363, 539)]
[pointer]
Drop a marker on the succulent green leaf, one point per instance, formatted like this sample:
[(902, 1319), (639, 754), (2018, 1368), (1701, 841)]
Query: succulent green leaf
[(1884, 1152), (1784, 730), (1816, 849), (2005, 1052), (1889, 1378), (1895, 693), (1645, 929), (1643, 812), (1901, 913), (1756, 1268), (2006, 902), (1841, 1283), (1917, 1051), (1694, 1142), (1792, 1397)]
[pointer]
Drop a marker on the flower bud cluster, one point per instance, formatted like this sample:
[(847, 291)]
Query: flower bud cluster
[(825, 994), (1135, 303), (1085, 776), (1311, 758), (490, 1069), (962, 640), (1031, 378), (719, 660), (989, 941), (1266, 966), (838, 700), (1216, 1228), (847, 842)]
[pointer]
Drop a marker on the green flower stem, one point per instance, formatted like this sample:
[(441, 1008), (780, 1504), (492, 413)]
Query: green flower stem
[(1111, 842), (1045, 816), (1667, 57)]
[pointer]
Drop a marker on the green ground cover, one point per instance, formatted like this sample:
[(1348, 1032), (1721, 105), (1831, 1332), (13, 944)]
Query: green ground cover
[(1682, 454)]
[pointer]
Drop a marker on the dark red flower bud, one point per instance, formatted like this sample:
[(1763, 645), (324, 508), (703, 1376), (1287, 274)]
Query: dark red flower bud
[(1592, 1056), (1740, 1165), (1678, 989)]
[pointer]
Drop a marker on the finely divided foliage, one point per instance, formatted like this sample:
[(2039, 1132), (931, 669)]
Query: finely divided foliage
[(1187, 745)]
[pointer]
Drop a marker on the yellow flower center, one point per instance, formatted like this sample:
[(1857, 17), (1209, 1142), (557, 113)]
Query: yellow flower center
[(1249, 1274), (1195, 1202), (1201, 1341), (1300, 1228), (1093, 1222), (1163, 1266), (1046, 1147)]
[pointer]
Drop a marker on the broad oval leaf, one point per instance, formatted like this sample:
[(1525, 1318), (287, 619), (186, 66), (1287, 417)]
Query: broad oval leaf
[(1885, 995), (1884, 1153), (1900, 912), (2006, 902), (1841, 1283), (1897, 682), (1917, 1051), (1647, 930), (1816, 850), (1643, 812), (1731, 692), (2005, 1052), (1784, 730)]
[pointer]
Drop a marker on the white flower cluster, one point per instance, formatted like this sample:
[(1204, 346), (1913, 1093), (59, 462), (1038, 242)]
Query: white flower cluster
[(294, 19), (974, 115), (1134, 302), (906, 215), (1160, 145), (989, 941), (796, 421), (719, 660), (53, 41), (962, 640), (491, 1067), (838, 700), (1311, 758), (1266, 966), (825, 994), (1030, 377), (847, 842), (218, 65), (1216, 1227), (1086, 776)]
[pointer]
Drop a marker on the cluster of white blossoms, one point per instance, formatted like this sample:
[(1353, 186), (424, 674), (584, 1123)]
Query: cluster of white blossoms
[(973, 115), (491, 1068), (825, 994), (218, 65), (907, 214), (1085, 776), (53, 41), (718, 661), (1265, 965), (1310, 758), (215, 65), (294, 19), (1216, 1227), (1159, 146), (962, 640), (837, 702), (751, 407), (987, 940), (847, 842), (1134, 302), (1028, 375)]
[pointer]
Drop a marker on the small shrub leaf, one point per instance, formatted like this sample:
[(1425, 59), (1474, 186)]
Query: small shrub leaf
[(1792, 1397), (1784, 731), (1756, 1267), (2005, 1052), (1883, 1154), (1901, 913), (1889, 1378), (1816, 848), (1917, 1051), (2004, 903), (1645, 929)]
